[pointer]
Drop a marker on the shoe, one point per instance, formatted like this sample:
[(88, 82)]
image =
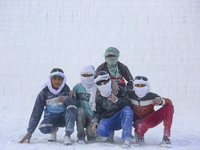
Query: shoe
[(81, 141), (126, 144), (52, 137), (110, 139), (100, 139), (166, 142), (67, 141), (138, 139), (91, 138)]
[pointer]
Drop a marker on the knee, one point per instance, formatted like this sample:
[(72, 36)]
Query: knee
[(46, 128), (101, 130), (128, 111), (169, 108), (72, 109)]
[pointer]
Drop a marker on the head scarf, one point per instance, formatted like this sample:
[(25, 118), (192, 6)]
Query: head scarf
[(88, 84), (49, 85)]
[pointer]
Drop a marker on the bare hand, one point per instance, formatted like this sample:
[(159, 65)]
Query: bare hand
[(26, 137), (61, 99), (157, 101), (112, 97), (72, 93), (94, 127), (115, 87)]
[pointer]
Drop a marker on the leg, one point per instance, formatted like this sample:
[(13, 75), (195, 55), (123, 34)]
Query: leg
[(163, 114), (81, 119), (90, 134), (49, 124), (121, 120), (70, 118)]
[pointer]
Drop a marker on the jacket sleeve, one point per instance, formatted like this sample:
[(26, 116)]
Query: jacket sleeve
[(127, 75), (123, 97), (36, 113), (70, 101), (98, 112)]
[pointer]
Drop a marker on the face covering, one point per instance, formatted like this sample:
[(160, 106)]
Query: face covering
[(105, 89), (141, 91), (112, 65), (112, 61), (87, 82)]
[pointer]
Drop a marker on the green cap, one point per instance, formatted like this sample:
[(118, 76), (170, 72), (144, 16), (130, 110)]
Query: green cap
[(111, 51)]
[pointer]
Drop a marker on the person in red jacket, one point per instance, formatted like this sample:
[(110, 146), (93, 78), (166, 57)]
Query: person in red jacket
[(145, 117)]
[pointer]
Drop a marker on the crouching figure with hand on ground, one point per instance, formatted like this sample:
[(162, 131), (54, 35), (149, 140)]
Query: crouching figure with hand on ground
[(59, 109)]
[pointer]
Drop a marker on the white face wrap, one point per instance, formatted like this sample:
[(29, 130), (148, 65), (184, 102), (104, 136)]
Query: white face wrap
[(141, 91), (105, 89), (88, 84)]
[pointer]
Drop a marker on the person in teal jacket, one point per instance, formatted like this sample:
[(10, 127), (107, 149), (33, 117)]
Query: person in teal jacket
[(85, 94)]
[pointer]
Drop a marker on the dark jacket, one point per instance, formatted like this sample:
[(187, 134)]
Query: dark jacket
[(106, 108), (41, 105), (123, 72)]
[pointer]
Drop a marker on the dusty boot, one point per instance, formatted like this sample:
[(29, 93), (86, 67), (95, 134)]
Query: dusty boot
[(81, 141), (126, 144), (139, 139), (111, 138), (52, 137), (166, 142), (67, 140)]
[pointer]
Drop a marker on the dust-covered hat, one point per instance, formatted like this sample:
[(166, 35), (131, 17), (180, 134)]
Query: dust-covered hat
[(111, 51)]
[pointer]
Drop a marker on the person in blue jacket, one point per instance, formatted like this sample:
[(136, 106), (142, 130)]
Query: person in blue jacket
[(59, 109)]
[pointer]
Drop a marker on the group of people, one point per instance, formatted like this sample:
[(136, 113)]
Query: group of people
[(106, 99)]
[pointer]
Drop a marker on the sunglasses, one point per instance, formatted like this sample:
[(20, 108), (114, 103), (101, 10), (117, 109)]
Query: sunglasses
[(143, 78), (56, 70)]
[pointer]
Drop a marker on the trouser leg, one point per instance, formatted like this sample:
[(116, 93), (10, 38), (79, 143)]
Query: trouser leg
[(121, 120), (163, 114), (81, 120), (70, 118)]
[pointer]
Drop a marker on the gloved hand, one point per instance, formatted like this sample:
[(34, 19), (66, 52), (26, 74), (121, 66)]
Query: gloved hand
[(157, 101)]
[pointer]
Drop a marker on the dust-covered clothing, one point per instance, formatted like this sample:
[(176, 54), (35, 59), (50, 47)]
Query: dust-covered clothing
[(146, 117), (106, 108), (46, 101), (85, 113), (123, 74)]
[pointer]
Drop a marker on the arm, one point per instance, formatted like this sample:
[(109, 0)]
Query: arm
[(35, 117), (36, 113), (127, 75)]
